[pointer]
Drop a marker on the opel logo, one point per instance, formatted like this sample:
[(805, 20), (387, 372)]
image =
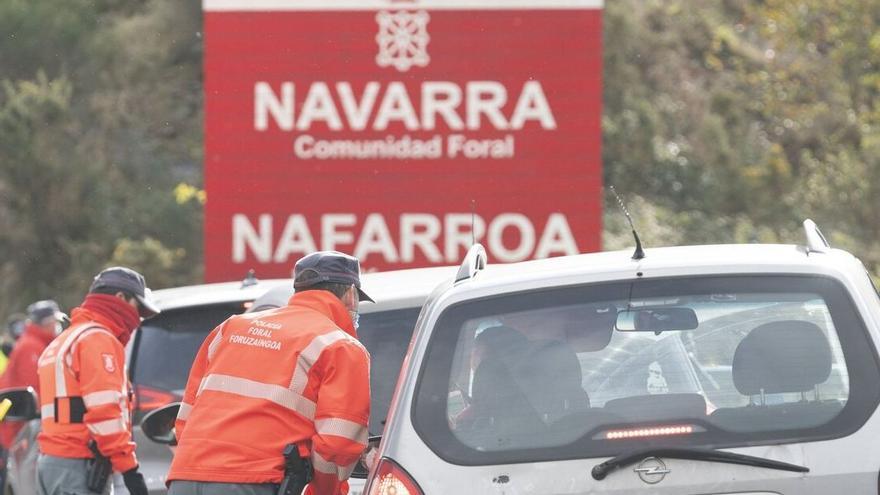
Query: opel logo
[(652, 470)]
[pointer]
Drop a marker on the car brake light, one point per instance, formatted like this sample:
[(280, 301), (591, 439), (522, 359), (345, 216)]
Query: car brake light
[(651, 431), (149, 398), (391, 479)]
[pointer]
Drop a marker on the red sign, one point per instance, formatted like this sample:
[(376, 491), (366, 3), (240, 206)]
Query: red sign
[(375, 127)]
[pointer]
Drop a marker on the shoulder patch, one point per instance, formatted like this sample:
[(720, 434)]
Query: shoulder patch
[(109, 362)]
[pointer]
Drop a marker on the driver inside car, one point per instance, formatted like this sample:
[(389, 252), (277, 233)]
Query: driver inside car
[(498, 347)]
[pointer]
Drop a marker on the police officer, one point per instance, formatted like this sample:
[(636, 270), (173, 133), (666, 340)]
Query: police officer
[(263, 381), (84, 393), (15, 325), (42, 325)]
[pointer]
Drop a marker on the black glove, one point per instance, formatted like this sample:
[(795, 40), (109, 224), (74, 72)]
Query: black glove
[(134, 481)]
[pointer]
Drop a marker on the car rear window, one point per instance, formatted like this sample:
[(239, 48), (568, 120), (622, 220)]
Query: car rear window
[(545, 375), (167, 345)]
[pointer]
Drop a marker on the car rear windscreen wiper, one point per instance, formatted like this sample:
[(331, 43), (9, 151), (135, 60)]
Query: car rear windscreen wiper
[(600, 471)]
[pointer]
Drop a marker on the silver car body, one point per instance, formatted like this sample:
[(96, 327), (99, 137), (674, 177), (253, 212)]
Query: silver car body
[(842, 465)]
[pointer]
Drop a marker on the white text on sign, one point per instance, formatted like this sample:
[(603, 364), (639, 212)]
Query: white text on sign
[(439, 239), (459, 108)]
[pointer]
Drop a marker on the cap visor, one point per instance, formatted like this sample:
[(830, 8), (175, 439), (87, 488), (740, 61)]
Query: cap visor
[(362, 296), (148, 307)]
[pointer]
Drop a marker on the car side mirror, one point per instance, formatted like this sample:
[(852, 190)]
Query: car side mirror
[(368, 458), (371, 453), (25, 405), (158, 425)]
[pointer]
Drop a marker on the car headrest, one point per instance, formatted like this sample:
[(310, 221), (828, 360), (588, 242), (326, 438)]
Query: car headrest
[(555, 362), (496, 393), (780, 357), (501, 340), (492, 379), (589, 329), (551, 378)]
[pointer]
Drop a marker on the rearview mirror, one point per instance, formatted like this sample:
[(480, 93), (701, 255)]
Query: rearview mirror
[(158, 425), (656, 320), (25, 405)]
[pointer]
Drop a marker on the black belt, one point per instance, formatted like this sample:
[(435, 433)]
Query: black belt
[(69, 410)]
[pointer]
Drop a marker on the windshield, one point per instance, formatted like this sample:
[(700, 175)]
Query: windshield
[(546, 375)]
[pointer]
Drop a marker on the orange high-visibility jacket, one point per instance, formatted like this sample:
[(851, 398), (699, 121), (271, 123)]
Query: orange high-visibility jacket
[(22, 372), (260, 381), (84, 396)]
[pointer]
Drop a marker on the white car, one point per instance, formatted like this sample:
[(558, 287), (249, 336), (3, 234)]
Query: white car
[(738, 369)]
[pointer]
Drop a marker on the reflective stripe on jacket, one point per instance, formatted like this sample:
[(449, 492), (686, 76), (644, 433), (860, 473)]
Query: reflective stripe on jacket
[(84, 396), (260, 381)]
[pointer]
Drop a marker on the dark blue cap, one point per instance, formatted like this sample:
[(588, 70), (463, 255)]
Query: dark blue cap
[(40, 310), (127, 280), (15, 325), (329, 266)]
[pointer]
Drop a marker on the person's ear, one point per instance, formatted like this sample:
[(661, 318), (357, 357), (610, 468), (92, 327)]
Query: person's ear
[(130, 300), (352, 297)]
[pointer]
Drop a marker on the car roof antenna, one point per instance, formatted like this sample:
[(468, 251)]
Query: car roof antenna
[(250, 279), (639, 253)]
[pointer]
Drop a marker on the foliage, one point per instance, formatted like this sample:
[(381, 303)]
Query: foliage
[(733, 121), (151, 256), (100, 120)]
